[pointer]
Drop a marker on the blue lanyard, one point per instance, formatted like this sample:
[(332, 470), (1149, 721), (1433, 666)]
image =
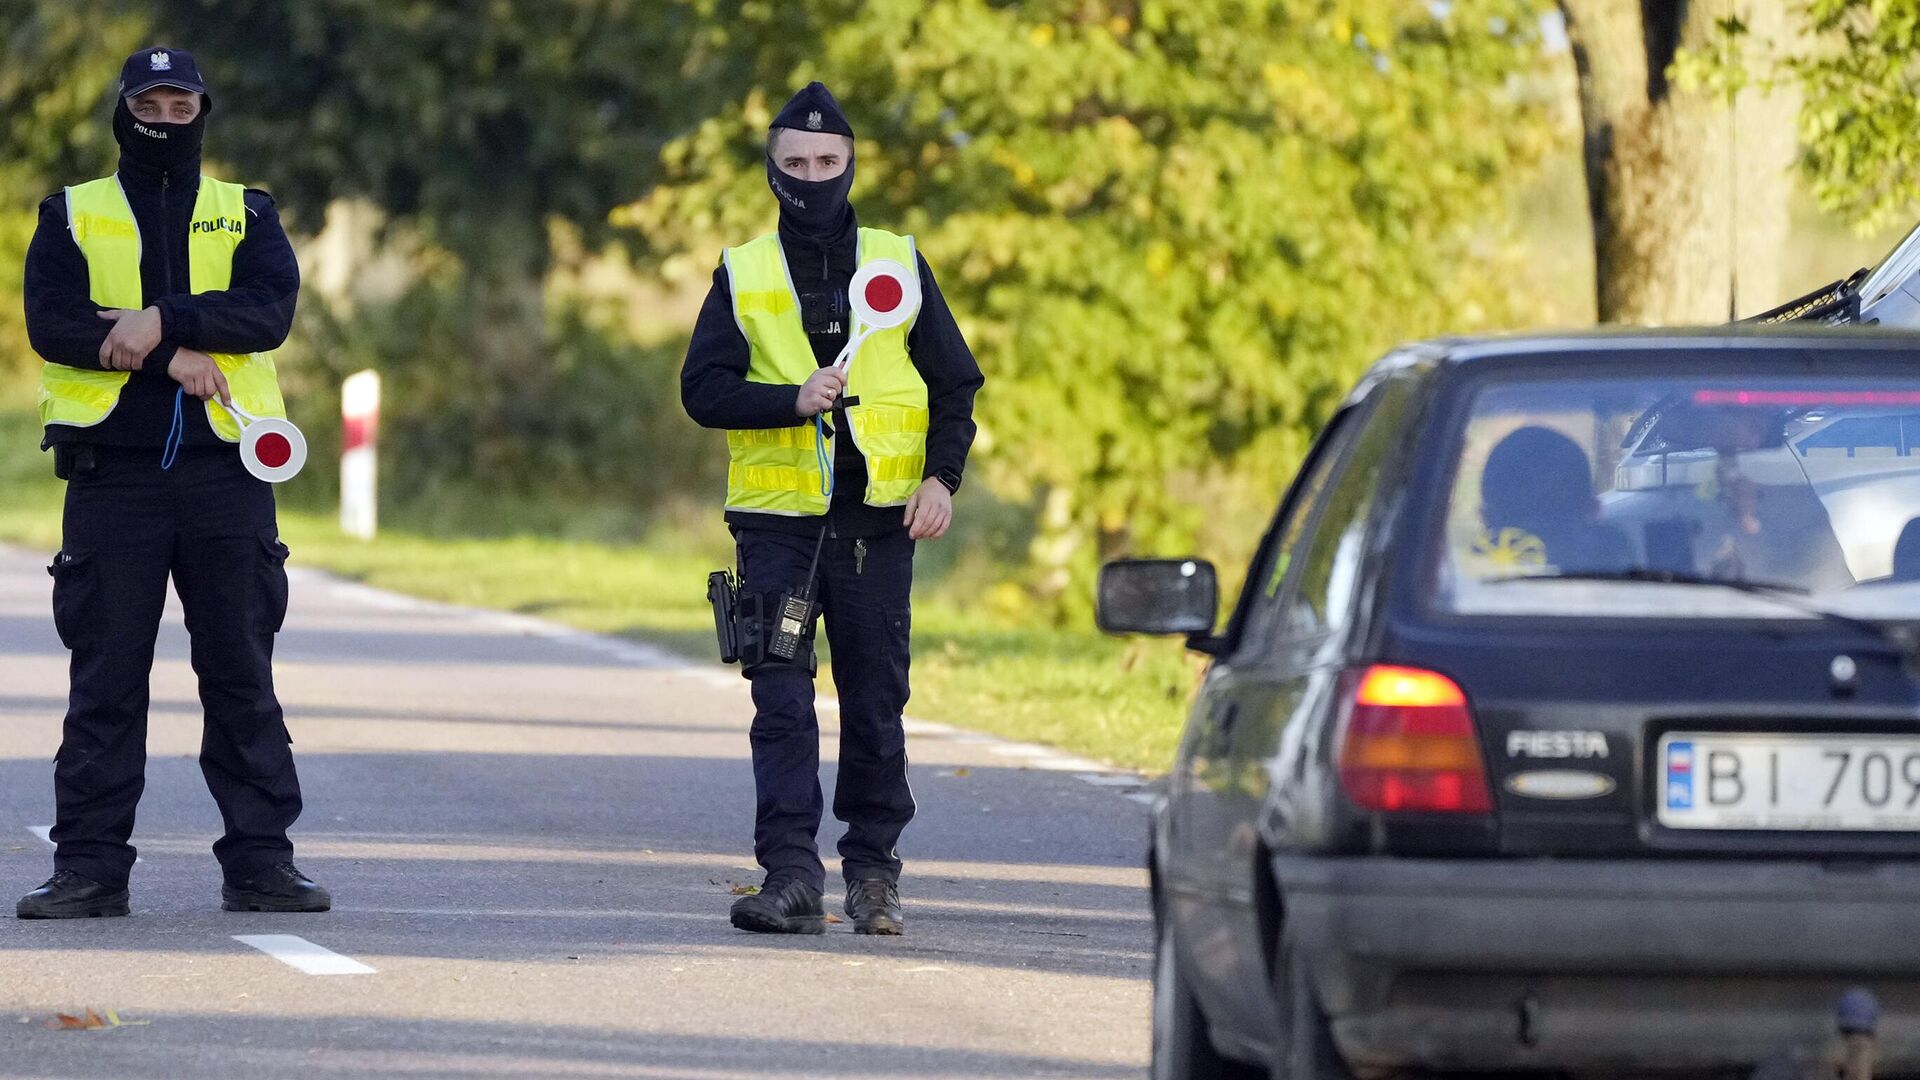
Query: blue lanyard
[(177, 434), (821, 455)]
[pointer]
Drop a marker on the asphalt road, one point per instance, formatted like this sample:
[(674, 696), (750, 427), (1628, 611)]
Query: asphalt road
[(532, 835)]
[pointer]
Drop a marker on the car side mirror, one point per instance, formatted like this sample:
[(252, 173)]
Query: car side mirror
[(1158, 596)]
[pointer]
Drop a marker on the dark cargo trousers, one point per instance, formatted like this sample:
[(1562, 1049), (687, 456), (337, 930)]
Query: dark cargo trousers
[(864, 589), (209, 525)]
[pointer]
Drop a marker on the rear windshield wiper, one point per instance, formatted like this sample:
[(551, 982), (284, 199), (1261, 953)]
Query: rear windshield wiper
[(1901, 636), (1664, 577)]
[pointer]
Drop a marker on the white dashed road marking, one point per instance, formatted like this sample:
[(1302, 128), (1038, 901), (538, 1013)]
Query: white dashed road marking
[(304, 955)]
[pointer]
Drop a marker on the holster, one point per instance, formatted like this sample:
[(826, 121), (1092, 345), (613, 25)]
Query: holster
[(725, 598), (73, 459)]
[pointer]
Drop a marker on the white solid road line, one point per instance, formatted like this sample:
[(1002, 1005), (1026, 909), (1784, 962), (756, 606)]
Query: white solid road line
[(304, 955), (639, 654), (1113, 779), (1020, 750)]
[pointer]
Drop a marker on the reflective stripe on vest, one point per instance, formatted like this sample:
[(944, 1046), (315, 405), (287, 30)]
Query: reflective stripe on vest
[(777, 470), (102, 223)]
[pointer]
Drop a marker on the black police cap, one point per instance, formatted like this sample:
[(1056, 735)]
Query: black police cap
[(160, 66), (813, 109)]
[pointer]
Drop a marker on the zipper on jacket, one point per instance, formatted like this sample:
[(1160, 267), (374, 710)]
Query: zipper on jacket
[(166, 233)]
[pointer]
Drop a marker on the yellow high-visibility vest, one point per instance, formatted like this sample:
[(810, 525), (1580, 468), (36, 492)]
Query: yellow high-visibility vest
[(102, 223), (778, 470)]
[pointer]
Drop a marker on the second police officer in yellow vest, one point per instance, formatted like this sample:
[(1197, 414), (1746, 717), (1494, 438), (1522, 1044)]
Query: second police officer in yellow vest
[(155, 295), (901, 424)]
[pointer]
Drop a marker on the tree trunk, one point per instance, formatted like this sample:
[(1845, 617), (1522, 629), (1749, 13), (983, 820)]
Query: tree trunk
[(1688, 195), (505, 253)]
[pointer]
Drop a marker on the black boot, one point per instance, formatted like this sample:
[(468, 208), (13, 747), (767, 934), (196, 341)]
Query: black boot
[(874, 906), (790, 907), (67, 895), (281, 887)]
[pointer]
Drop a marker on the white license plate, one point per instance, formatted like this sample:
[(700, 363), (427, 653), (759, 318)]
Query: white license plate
[(1790, 782)]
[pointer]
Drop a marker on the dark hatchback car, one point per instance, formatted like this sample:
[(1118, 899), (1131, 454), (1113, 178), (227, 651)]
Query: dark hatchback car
[(1568, 721)]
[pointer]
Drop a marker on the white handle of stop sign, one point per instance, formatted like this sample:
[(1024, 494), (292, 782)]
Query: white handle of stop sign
[(884, 295)]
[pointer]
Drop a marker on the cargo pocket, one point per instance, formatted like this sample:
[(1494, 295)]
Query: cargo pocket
[(900, 639), (74, 589), (270, 591)]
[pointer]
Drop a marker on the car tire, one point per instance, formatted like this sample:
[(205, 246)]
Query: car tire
[(1305, 1050), (1182, 1049)]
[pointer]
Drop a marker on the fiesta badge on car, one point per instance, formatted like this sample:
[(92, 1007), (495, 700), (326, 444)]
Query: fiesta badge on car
[(1560, 784)]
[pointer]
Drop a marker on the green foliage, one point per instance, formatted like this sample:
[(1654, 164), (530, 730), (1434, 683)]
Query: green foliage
[(469, 118), (1173, 231), (1862, 83), (585, 451), (1858, 64), (57, 65)]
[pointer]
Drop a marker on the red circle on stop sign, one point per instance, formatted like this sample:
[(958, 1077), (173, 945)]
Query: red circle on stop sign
[(884, 293), (273, 450)]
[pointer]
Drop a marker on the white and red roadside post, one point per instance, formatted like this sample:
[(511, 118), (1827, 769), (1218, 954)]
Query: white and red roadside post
[(360, 424)]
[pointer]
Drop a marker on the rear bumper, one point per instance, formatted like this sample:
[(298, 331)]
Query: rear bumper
[(1601, 964)]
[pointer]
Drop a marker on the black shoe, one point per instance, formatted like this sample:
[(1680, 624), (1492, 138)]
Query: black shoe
[(280, 888), (67, 895), (874, 906), (791, 907)]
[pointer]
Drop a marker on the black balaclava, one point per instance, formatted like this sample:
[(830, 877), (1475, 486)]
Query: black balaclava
[(160, 146), (812, 208)]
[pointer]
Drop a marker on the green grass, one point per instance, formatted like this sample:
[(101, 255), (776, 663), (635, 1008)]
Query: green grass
[(1115, 701)]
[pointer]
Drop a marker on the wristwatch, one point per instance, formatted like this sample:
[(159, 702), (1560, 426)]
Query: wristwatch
[(950, 478)]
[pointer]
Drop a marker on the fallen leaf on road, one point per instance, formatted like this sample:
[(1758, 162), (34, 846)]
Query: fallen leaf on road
[(835, 919), (92, 1021), (963, 771), (738, 889)]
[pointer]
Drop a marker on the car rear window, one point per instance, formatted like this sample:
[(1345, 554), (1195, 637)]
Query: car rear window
[(1599, 496)]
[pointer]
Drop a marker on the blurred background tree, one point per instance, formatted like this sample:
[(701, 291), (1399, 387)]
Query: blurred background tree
[(1862, 88), (57, 62), (1688, 179)]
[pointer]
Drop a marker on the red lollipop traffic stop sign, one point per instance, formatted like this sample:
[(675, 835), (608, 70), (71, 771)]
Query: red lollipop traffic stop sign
[(884, 294)]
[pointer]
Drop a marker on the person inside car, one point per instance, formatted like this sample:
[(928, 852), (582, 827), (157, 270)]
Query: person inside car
[(1537, 503)]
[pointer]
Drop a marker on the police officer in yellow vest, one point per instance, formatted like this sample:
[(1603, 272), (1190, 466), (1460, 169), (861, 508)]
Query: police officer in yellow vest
[(155, 296), (901, 423)]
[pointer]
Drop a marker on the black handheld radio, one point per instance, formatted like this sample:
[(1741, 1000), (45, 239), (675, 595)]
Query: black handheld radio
[(796, 612)]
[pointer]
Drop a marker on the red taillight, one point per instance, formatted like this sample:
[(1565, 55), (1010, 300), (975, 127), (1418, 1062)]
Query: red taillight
[(1410, 745)]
